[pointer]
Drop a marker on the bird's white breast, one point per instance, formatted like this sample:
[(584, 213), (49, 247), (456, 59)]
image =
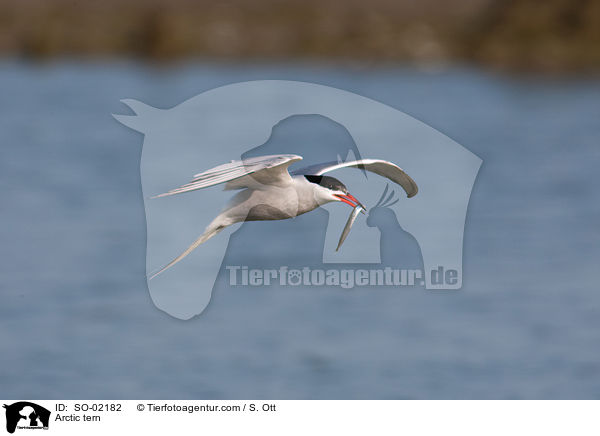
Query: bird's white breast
[(275, 202)]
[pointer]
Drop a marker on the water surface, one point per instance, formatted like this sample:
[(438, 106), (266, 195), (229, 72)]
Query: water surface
[(77, 320)]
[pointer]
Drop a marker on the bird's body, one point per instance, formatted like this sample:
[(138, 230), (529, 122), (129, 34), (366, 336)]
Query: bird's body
[(274, 202), (270, 192)]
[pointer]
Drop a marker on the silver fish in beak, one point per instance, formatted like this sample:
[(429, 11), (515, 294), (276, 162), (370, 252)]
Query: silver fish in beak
[(358, 209)]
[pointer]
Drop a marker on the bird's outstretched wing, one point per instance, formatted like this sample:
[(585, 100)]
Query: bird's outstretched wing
[(377, 166), (253, 172)]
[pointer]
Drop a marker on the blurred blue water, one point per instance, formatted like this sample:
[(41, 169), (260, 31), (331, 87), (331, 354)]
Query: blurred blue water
[(77, 320)]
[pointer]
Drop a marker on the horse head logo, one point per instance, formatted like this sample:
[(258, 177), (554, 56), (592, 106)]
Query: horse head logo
[(225, 123)]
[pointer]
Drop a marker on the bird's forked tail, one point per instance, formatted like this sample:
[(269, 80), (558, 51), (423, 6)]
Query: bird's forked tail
[(210, 231)]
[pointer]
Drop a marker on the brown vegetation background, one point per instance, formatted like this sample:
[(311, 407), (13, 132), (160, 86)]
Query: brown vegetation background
[(552, 35)]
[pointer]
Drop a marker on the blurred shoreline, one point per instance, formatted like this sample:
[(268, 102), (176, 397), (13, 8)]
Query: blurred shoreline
[(556, 36)]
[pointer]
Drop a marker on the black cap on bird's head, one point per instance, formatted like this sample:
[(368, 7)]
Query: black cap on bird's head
[(328, 182), (334, 184)]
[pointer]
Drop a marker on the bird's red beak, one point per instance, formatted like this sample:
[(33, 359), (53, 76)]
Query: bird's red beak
[(350, 200)]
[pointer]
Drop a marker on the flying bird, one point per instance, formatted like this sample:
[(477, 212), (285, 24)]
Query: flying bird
[(270, 192)]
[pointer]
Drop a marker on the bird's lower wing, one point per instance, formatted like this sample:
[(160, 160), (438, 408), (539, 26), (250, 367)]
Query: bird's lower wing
[(246, 173), (377, 166)]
